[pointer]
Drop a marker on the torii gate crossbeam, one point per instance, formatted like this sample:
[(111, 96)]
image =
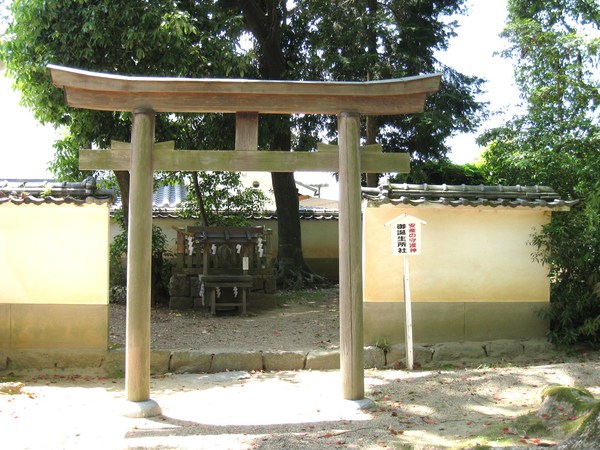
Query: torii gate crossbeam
[(144, 96)]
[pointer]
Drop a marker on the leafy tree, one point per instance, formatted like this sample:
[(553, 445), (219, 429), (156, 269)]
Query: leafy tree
[(443, 171), (269, 39), (372, 40), (555, 45), (355, 40), (133, 38), (220, 199)]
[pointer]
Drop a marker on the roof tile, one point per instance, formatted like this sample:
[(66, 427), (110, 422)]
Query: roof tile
[(468, 195)]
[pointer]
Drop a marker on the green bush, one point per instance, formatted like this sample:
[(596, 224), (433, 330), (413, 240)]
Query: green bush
[(162, 265), (569, 247)]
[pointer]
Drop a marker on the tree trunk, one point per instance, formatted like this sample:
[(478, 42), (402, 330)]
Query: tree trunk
[(291, 268), (266, 20), (123, 182), (200, 200)]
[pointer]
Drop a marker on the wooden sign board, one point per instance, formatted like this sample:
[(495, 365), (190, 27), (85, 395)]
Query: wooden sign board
[(405, 231)]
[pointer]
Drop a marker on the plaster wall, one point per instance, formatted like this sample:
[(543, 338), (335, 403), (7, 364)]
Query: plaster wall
[(320, 245), (469, 255), (54, 253), (474, 280), (54, 275)]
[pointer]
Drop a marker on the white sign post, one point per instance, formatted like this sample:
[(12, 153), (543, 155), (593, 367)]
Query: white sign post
[(406, 241)]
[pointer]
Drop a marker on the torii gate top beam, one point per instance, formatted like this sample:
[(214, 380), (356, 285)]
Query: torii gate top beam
[(92, 90)]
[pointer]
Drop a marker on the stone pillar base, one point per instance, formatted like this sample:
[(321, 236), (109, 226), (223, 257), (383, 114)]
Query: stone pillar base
[(138, 410)]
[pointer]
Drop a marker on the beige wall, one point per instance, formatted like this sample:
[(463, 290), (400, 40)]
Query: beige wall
[(54, 272), (43, 246), (475, 279), (469, 255), (320, 245)]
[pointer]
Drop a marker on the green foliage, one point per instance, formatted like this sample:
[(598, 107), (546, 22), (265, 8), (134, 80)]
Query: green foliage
[(131, 38), (65, 164), (225, 199), (162, 265), (117, 264), (382, 344), (443, 171), (373, 40), (570, 247), (556, 48), (557, 55)]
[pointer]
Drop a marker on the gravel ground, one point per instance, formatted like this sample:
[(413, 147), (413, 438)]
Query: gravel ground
[(302, 321)]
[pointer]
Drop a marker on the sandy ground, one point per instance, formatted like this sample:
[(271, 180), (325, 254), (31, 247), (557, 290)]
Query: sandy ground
[(292, 410), (421, 409)]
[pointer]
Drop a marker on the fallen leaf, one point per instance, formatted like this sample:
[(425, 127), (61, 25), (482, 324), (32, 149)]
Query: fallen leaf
[(395, 432)]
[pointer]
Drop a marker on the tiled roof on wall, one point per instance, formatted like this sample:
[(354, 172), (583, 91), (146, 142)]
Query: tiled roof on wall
[(304, 215), (168, 200), (169, 197), (38, 192), (468, 195)]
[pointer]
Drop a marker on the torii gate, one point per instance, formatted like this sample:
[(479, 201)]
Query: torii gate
[(145, 96)]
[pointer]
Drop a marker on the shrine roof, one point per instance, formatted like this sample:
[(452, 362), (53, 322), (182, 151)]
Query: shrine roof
[(44, 191), (468, 195)]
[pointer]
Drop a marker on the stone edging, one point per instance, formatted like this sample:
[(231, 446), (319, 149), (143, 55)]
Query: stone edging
[(112, 362)]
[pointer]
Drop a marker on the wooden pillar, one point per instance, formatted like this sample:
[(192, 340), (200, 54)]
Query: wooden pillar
[(351, 301), (139, 255)]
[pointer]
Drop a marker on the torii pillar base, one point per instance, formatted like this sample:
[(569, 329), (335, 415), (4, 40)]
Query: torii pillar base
[(142, 410)]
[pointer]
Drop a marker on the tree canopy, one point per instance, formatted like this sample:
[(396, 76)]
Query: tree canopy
[(268, 39), (555, 45)]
